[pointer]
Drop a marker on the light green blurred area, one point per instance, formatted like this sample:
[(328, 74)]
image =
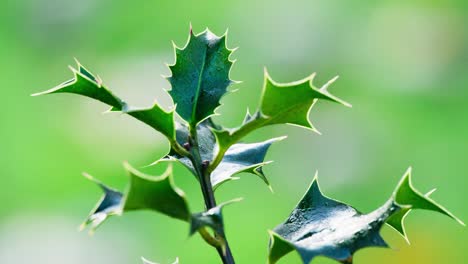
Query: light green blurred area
[(402, 64)]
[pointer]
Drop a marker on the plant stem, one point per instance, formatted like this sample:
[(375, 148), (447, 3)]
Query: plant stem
[(207, 189)]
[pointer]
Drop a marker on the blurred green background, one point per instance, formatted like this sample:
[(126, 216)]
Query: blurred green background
[(402, 64)]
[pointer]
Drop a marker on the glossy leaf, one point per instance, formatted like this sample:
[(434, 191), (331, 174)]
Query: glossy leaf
[(315, 227), (281, 103), (87, 84), (409, 198), (212, 218), (155, 193), (290, 103), (109, 204), (200, 76), (144, 192), (241, 157)]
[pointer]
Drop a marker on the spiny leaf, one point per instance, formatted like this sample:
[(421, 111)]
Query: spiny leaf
[(239, 158), (397, 219), (290, 103), (109, 204), (315, 227), (212, 218), (200, 76), (155, 193), (243, 157), (87, 84), (407, 197), (144, 192), (281, 103), (406, 194)]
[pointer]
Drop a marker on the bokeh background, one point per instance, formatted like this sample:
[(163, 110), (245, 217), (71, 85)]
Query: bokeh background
[(402, 64)]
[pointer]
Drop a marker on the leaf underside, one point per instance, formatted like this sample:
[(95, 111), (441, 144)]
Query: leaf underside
[(144, 192), (315, 227), (212, 218), (155, 193), (241, 157)]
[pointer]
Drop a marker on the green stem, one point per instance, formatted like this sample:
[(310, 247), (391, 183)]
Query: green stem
[(204, 177), (179, 149)]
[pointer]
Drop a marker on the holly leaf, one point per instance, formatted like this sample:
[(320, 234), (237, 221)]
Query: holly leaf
[(200, 76), (155, 193), (109, 204), (212, 218), (315, 227), (281, 103), (144, 192), (241, 157), (410, 198), (87, 84)]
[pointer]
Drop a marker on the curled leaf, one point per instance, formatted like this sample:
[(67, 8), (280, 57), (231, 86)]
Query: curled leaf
[(212, 218), (144, 192), (109, 204), (241, 157)]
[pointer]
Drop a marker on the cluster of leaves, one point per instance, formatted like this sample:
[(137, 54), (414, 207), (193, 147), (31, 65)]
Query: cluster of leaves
[(214, 155)]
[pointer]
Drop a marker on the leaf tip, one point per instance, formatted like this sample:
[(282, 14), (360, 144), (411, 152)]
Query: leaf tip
[(315, 179), (77, 62), (190, 28), (226, 32), (37, 94), (406, 194), (271, 188), (266, 74), (88, 176)]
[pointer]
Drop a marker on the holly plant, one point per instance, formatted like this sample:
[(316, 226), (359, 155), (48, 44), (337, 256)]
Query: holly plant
[(318, 226)]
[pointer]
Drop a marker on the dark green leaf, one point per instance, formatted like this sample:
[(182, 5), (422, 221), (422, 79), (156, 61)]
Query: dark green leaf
[(212, 218), (315, 227), (239, 158), (86, 84), (200, 76), (243, 157), (145, 192), (109, 204), (155, 193)]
